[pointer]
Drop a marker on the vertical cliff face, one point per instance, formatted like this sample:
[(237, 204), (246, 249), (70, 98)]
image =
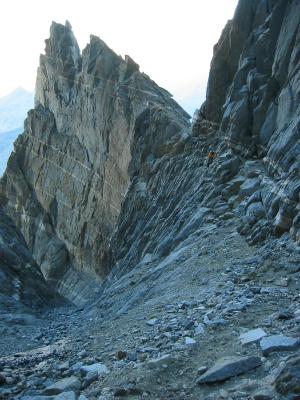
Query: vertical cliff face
[(67, 178)]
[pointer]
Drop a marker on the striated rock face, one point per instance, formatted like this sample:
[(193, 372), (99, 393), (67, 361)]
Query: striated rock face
[(242, 159), (253, 94), (170, 197), (68, 176), (21, 282)]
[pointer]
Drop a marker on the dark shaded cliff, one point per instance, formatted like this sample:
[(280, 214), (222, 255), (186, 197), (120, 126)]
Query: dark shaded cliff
[(22, 285)]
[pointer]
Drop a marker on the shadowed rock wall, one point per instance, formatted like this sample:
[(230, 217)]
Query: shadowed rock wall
[(21, 282)]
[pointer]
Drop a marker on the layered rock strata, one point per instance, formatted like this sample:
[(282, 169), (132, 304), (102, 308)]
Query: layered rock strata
[(253, 95), (241, 159), (68, 176)]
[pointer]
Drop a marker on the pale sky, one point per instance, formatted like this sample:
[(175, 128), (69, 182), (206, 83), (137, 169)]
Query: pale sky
[(171, 40)]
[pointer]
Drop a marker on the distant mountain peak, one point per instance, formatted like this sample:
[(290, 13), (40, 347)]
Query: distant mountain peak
[(20, 89)]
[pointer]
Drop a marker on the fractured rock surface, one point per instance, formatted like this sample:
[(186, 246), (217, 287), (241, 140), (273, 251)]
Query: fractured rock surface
[(22, 286), (253, 86), (68, 176)]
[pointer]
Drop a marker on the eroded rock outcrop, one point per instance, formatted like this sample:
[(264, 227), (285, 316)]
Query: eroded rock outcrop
[(22, 286), (242, 157), (253, 93), (67, 178)]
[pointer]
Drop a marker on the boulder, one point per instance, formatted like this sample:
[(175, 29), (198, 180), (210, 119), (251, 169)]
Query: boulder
[(274, 343), (252, 336), (64, 385), (229, 367)]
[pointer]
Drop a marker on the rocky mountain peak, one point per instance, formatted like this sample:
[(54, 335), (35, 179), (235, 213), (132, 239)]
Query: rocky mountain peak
[(62, 45), (75, 152)]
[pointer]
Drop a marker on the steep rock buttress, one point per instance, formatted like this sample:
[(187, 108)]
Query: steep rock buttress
[(68, 176)]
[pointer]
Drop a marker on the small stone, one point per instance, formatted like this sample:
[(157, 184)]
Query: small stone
[(165, 360), (142, 357), (121, 355), (199, 330), (189, 341), (132, 357), (82, 354), (273, 343), (252, 336), (202, 369), (82, 397), (152, 322), (228, 367), (263, 395), (65, 396), (267, 366), (2, 379), (284, 315), (282, 282), (120, 392), (100, 368), (75, 368), (64, 366), (188, 325), (90, 377), (223, 393)]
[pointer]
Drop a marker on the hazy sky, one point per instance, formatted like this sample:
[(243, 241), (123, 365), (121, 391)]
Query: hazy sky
[(171, 40)]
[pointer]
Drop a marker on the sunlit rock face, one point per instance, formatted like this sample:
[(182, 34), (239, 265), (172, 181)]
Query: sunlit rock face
[(66, 181)]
